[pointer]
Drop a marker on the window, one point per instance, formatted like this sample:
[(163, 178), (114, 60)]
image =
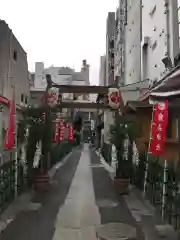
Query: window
[(15, 56)]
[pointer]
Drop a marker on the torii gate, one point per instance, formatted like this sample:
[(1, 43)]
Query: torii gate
[(104, 90)]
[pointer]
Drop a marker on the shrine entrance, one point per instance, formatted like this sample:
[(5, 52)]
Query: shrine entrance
[(76, 108)]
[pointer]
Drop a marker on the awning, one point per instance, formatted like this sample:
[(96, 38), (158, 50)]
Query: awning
[(169, 87)]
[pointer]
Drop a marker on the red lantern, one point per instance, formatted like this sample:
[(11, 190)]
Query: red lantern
[(56, 132), (114, 98), (70, 133), (61, 131)]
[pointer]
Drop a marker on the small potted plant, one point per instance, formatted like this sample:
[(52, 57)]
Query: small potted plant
[(122, 130)]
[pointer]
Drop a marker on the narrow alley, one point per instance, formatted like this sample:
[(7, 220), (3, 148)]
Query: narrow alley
[(81, 204)]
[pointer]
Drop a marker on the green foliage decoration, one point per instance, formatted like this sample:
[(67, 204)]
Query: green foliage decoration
[(122, 129)]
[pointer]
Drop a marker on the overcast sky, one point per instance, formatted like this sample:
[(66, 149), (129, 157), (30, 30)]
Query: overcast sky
[(60, 32)]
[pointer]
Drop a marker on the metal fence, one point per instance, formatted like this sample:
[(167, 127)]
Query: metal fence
[(8, 183), (162, 188)]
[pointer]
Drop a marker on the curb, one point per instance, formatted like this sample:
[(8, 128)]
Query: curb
[(55, 168)]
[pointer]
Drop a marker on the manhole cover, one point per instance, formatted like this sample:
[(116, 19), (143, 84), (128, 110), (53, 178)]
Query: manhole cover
[(116, 231), (106, 203)]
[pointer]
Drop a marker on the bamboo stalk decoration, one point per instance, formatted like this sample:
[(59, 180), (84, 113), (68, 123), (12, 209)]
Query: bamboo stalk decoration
[(37, 155), (165, 181), (147, 161), (23, 157)]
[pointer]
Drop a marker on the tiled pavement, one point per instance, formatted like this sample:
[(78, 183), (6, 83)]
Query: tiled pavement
[(112, 208), (39, 224), (81, 204)]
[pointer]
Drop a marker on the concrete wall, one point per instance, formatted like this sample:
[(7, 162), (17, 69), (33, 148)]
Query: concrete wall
[(137, 58), (160, 25), (13, 65), (154, 25)]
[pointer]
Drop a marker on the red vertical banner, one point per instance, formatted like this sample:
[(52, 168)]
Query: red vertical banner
[(61, 131), (9, 142), (70, 133), (158, 128)]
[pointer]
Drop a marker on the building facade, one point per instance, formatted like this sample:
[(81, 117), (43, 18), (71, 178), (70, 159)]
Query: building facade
[(160, 38), (121, 20), (61, 76), (13, 66), (147, 32), (110, 47), (102, 72), (133, 42)]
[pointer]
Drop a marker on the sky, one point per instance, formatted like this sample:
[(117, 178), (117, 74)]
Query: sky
[(60, 32)]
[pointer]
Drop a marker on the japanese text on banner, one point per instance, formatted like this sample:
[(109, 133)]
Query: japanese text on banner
[(158, 128)]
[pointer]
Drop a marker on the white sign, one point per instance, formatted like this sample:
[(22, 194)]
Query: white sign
[(114, 161)]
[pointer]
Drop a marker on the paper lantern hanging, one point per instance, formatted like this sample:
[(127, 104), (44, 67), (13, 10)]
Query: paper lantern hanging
[(56, 132), (52, 97), (114, 98)]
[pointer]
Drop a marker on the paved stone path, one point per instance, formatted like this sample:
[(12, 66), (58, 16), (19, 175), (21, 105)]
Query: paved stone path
[(79, 216), (81, 204), (36, 225)]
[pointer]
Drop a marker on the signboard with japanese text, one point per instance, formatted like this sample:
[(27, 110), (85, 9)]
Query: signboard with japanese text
[(158, 128)]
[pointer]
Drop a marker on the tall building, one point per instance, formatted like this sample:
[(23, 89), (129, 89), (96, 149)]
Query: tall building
[(160, 38), (102, 72), (121, 20), (13, 66), (147, 33), (133, 42), (110, 47)]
